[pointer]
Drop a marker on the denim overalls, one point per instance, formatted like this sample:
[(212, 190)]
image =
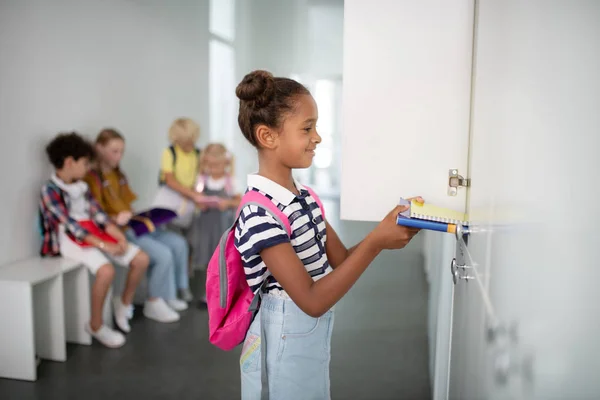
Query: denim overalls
[(298, 351)]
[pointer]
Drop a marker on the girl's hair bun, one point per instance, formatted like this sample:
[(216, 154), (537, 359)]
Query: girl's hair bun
[(257, 88)]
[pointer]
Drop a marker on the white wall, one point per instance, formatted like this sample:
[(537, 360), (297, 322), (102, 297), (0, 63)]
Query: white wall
[(83, 65), (300, 37)]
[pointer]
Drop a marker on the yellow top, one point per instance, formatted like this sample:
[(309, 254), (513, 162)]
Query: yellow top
[(185, 168), (111, 191)]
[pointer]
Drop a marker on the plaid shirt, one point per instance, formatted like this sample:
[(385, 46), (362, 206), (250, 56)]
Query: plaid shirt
[(54, 211)]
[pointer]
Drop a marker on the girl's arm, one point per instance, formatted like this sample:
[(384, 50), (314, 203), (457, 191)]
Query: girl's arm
[(316, 298), (337, 253), (172, 182), (167, 169)]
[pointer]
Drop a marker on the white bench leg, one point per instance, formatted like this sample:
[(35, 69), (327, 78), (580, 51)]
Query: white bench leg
[(49, 317), (76, 285), (17, 340)]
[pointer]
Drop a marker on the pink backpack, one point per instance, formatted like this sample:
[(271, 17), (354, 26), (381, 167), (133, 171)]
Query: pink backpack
[(231, 303)]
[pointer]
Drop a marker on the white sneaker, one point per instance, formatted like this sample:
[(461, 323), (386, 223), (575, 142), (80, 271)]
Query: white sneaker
[(159, 311), (177, 305), (106, 336), (186, 295), (123, 314)]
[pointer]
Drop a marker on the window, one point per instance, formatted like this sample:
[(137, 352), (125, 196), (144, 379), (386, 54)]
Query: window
[(222, 100), (222, 19)]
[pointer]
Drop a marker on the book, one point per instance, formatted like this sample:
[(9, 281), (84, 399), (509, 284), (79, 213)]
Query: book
[(147, 221), (428, 216), (424, 224), (95, 230), (167, 198), (429, 212)]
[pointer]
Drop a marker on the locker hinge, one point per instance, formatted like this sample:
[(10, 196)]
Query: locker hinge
[(455, 181)]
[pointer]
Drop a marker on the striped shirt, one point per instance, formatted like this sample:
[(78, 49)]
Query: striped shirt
[(257, 230)]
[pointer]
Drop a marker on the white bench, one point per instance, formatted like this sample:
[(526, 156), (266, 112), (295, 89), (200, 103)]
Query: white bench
[(44, 303)]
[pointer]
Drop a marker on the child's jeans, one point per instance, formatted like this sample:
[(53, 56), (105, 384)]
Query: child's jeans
[(298, 353), (168, 268)]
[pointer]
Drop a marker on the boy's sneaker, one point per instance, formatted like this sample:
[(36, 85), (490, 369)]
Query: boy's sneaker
[(186, 295), (159, 311), (177, 305), (106, 336), (123, 314)]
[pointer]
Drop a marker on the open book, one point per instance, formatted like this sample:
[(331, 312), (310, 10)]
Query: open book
[(147, 221)]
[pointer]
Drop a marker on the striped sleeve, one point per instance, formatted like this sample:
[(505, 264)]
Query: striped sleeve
[(257, 230)]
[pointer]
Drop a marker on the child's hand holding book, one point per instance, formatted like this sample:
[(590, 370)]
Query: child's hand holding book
[(123, 218)]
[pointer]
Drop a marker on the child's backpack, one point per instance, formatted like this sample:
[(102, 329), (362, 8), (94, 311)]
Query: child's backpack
[(231, 303)]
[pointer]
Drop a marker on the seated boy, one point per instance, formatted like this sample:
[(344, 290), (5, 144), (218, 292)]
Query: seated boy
[(74, 226)]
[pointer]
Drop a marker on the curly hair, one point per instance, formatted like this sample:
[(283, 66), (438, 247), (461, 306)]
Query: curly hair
[(66, 145)]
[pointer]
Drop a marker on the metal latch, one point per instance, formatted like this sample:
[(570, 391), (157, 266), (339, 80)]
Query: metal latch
[(455, 181)]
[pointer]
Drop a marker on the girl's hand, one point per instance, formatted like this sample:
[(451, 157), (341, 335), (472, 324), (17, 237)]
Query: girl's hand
[(123, 218), (390, 236), (224, 204), (419, 199), (198, 198)]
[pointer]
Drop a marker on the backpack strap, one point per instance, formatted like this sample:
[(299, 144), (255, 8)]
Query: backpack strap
[(174, 153), (254, 198), (317, 199), (161, 180)]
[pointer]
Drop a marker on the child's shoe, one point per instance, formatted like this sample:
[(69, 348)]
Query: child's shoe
[(123, 314), (177, 305), (159, 311), (107, 336)]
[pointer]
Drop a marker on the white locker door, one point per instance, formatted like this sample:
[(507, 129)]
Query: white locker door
[(406, 103), (534, 196)]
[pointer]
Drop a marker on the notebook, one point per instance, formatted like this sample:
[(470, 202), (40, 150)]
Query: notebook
[(430, 217), (433, 213)]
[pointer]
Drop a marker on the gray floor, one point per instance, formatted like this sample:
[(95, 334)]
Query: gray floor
[(379, 347)]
